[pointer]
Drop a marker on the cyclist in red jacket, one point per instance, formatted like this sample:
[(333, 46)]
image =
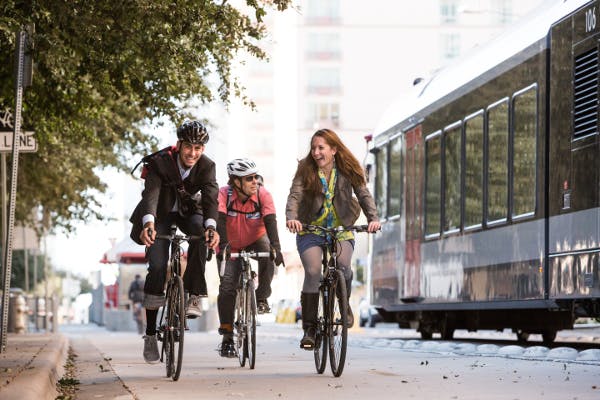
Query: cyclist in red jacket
[(246, 221)]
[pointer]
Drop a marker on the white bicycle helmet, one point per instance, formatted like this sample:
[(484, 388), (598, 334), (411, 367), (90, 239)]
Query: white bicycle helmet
[(241, 167)]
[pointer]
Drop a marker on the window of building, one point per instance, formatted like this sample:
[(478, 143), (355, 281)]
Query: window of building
[(452, 177), (323, 113), (323, 80), (323, 46), (395, 177), (433, 176), (524, 151), (450, 45), (322, 10), (448, 11), (474, 170), (497, 153), (502, 11), (381, 180)]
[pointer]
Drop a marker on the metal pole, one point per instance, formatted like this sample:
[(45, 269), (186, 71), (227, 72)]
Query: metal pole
[(22, 40), (25, 260)]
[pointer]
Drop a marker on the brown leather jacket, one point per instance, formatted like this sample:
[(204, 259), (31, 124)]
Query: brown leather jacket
[(347, 207)]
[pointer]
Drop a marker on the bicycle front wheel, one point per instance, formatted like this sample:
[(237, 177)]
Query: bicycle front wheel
[(320, 350), (338, 323), (240, 325), (175, 327), (250, 342)]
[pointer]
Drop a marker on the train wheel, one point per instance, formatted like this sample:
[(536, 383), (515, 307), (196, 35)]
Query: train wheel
[(522, 336), (548, 336), (426, 334)]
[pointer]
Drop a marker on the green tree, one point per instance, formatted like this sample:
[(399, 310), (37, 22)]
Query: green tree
[(105, 69)]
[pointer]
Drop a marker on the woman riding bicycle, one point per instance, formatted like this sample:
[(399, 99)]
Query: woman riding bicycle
[(246, 221), (322, 194)]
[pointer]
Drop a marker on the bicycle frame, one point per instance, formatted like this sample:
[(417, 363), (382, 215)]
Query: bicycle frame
[(332, 324), (171, 328), (245, 306)]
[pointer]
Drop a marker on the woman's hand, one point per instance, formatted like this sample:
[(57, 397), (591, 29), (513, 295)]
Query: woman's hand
[(374, 226), (294, 225)]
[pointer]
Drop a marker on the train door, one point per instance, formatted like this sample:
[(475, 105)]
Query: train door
[(414, 212), (574, 157)]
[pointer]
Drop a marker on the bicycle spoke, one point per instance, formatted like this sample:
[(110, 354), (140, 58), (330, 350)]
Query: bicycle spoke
[(251, 324), (240, 342), (338, 324), (320, 351), (178, 325)]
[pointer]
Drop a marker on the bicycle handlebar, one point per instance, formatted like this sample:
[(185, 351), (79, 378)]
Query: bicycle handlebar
[(351, 228), (211, 235), (252, 253), (242, 254), (179, 238)]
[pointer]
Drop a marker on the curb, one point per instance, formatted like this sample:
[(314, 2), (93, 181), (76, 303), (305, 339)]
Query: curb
[(38, 380)]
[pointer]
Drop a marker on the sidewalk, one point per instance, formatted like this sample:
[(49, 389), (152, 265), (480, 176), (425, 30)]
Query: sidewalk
[(31, 365)]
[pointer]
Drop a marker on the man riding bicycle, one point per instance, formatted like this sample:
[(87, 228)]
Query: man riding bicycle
[(246, 221), (180, 188)]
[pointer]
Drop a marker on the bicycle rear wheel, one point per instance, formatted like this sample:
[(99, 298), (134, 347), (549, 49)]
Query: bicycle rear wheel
[(338, 323), (250, 341), (240, 326), (175, 327), (320, 350)]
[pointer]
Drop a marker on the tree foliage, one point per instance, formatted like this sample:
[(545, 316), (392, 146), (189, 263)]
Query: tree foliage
[(104, 70)]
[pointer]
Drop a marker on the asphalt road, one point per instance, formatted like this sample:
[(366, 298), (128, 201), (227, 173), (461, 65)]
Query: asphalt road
[(110, 365)]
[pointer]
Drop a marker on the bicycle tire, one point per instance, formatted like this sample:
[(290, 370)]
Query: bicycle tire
[(168, 344), (240, 326), (178, 326), (321, 347), (251, 324), (338, 323)]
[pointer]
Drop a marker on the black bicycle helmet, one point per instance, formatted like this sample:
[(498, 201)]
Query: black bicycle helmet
[(192, 132)]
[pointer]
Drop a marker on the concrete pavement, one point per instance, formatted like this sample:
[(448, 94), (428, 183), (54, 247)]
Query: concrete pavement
[(31, 365)]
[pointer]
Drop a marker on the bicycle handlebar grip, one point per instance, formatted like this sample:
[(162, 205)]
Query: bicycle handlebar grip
[(211, 234)]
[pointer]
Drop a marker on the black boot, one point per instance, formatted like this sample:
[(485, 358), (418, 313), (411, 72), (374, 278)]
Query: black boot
[(310, 305), (350, 320)]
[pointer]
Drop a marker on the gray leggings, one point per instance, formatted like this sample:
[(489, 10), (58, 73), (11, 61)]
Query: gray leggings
[(312, 259)]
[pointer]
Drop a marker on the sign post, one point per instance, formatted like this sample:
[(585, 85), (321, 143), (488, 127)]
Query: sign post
[(19, 84)]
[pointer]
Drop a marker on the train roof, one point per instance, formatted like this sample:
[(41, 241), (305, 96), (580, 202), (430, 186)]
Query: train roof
[(517, 43)]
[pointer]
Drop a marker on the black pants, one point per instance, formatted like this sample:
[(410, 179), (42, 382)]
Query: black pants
[(158, 255), (230, 279)]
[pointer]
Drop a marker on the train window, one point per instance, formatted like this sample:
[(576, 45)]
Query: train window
[(433, 179), (524, 151), (395, 176), (497, 153), (474, 170), (381, 180), (452, 177)]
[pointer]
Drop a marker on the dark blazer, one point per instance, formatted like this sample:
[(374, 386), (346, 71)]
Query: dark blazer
[(347, 207), (158, 197)]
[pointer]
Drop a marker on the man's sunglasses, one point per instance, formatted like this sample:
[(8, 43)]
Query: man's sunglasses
[(250, 178)]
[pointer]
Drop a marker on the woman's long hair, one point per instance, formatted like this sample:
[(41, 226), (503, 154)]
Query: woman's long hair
[(345, 162)]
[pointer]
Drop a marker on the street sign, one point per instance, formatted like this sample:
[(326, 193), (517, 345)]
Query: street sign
[(27, 142)]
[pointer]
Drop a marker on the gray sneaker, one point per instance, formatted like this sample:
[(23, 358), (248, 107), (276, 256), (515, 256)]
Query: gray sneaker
[(192, 309), (151, 355)]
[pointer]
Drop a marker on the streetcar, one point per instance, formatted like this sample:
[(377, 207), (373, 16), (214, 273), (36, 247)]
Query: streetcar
[(487, 176)]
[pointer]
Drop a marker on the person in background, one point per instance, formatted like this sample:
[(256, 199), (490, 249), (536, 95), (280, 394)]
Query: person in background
[(180, 189), (136, 296), (322, 194), (247, 221)]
